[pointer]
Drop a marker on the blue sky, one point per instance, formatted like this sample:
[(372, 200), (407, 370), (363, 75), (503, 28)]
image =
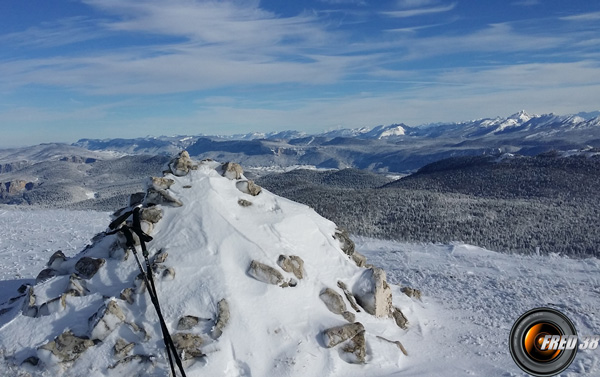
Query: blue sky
[(73, 69)]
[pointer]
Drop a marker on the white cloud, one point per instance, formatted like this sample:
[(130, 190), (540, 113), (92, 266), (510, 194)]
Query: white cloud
[(419, 11), (592, 16)]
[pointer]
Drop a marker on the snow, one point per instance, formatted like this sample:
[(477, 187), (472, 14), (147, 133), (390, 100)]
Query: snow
[(471, 296)]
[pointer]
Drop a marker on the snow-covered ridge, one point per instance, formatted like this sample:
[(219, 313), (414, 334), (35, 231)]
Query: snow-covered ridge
[(250, 284)]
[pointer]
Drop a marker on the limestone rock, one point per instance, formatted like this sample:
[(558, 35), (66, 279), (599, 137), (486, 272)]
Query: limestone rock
[(373, 293), (348, 295), (222, 318), (129, 359), (356, 349), (105, 320), (244, 202), (122, 348), (232, 170), (76, 286), (151, 214), (399, 317), (187, 322), (182, 164), (349, 316), (189, 345), (264, 273), (359, 259), (56, 260), (333, 300), (397, 343), (348, 247), (160, 183), (169, 273), (52, 306), (412, 292), (336, 335), (293, 264), (45, 274), (127, 295), (68, 347), (161, 257), (155, 196), (248, 187), (87, 267), (29, 308)]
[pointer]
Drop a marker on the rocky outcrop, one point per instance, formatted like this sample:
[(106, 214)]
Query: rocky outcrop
[(107, 319), (232, 170), (264, 273), (189, 345), (293, 264), (222, 318), (68, 347), (248, 187), (182, 164), (373, 293), (348, 247), (336, 335), (154, 197), (87, 267)]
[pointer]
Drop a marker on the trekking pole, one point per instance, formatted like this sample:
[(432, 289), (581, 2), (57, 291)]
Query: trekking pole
[(148, 279)]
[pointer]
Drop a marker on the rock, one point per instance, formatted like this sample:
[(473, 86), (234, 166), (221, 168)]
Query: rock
[(52, 306), (147, 227), (182, 164), (136, 198), (45, 274), (349, 316), (76, 286), (56, 260), (232, 170), (169, 273), (32, 360), (187, 322), (222, 318), (68, 347), (264, 273), (336, 335), (129, 359), (373, 293), (356, 349), (160, 183), (244, 202), (127, 295), (293, 264), (161, 257), (248, 187), (29, 308), (399, 317), (333, 300), (397, 343), (105, 320), (151, 214), (411, 292), (87, 267), (348, 295), (359, 259), (154, 197), (346, 244), (348, 247), (188, 344), (122, 348)]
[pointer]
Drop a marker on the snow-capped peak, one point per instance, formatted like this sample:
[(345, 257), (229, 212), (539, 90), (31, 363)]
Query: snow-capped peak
[(249, 283)]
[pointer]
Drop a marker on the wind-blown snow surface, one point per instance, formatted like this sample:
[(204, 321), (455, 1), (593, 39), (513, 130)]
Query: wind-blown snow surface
[(471, 296)]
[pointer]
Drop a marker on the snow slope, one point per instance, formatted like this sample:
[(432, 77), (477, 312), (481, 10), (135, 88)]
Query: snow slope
[(471, 296), (210, 242)]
